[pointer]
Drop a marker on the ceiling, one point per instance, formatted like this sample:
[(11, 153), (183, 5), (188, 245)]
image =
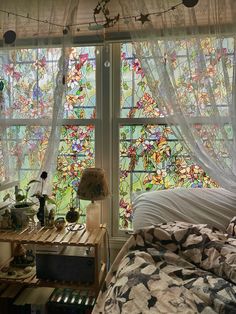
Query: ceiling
[(48, 18)]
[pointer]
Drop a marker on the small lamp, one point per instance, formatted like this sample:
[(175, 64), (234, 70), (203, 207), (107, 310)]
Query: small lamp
[(93, 186)]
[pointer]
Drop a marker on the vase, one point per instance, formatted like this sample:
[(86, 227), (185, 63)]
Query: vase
[(72, 215), (41, 210)]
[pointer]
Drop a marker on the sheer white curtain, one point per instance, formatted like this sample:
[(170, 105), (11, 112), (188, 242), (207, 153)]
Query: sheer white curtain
[(33, 71), (190, 71)]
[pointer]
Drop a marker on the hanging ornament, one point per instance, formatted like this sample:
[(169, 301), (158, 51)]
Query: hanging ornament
[(190, 3), (101, 8), (1, 85), (143, 18), (9, 37)]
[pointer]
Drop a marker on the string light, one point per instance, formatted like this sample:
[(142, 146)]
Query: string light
[(101, 8)]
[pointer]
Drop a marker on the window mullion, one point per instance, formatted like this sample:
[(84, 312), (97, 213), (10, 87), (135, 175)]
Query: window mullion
[(116, 77)]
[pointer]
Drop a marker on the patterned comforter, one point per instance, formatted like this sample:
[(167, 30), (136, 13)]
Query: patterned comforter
[(172, 268)]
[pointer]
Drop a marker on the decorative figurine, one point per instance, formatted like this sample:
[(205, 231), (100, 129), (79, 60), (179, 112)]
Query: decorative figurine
[(60, 223), (51, 218), (6, 222), (22, 257)]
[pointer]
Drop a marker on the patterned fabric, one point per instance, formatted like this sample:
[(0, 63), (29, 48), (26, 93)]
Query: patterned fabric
[(172, 268), (231, 229)]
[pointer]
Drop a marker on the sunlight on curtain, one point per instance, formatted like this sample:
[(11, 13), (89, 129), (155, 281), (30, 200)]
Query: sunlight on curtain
[(32, 103), (192, 79)]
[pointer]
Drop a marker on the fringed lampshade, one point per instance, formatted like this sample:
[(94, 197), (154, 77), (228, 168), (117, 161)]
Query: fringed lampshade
[(93, 186)]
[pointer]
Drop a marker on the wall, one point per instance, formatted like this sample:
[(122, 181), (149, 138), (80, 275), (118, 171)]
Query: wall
[(5, 249)]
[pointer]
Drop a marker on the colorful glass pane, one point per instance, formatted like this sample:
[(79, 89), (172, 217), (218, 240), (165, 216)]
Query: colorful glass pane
[(151, 158), (136, 99), (76, 152), (81, 82), (200, 71), (29, 76), (27, 146)]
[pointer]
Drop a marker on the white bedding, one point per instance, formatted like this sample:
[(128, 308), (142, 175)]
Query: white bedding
[(214, 207)]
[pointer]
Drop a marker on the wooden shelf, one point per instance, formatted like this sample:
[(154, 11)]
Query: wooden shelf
[(52, 237), (34, 281)]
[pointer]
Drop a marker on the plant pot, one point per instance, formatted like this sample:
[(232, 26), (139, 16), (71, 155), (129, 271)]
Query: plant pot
[(20, 214), (72, 215)]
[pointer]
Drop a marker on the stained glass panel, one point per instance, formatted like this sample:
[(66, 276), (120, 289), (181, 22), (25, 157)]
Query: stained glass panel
[(184, 66), (136, 99), (76, 152), (27, 146), (29, 77), (151, 158), (81, 94)]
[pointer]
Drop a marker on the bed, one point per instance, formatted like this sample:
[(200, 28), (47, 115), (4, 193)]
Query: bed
[(176, 266)]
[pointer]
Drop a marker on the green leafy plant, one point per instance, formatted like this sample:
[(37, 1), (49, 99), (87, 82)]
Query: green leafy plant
[(21, 195), (40, 194)]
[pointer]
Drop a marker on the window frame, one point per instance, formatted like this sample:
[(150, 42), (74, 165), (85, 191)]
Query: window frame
[(97, 122), (116, 122)]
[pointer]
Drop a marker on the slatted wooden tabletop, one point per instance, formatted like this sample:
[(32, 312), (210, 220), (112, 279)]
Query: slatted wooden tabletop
[(81, 237)]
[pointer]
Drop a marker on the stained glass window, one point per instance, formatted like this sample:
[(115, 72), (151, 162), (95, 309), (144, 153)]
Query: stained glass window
[(29, 77), (151, 158)]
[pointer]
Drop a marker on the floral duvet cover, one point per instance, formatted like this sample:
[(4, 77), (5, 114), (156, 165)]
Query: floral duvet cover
[(172, 268)]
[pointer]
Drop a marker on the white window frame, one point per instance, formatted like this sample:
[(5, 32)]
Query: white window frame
[(97, 122), (116, 122)]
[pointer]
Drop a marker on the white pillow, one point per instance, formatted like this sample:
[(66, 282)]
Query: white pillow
[(195, 205)]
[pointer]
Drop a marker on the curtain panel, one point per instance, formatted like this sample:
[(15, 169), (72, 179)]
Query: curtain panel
[(33, 82), (191, 76)]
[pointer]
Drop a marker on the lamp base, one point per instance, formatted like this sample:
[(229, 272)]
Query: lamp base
[(92, 216)]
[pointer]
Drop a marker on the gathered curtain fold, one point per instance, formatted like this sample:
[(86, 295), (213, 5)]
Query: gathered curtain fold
[(192, 78)]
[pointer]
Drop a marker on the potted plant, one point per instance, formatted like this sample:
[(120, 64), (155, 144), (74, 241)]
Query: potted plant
[(22, 208)]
